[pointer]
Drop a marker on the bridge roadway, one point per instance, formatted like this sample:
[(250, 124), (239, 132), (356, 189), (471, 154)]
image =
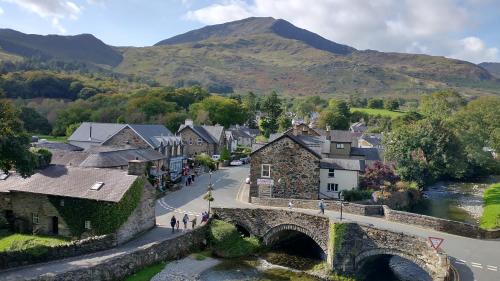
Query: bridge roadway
[(475, 260)]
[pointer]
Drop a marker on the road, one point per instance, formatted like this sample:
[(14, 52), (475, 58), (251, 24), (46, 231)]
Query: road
[(476, 260)]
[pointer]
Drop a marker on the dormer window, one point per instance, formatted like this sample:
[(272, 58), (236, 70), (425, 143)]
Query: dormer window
[(199, 141), (339, 146)]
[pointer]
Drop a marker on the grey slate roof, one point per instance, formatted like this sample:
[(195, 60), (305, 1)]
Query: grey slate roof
[(150, 131), (238, 133), (373, 139), (342, 164), (58, 146), (100, 132), (210, 134), (358, 127), (73, 182), (119, 158), (68, 158), (341, 136)]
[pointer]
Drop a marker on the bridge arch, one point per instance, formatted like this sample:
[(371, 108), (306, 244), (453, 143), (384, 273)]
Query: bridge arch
[(272, 235), (361, 258)]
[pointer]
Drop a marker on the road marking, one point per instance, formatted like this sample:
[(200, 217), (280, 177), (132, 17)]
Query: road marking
[(179, 211), (475, 264), (462, 261), (492, 268)]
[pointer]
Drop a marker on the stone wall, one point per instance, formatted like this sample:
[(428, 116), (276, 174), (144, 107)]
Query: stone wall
[(125, 264), (297, 167), (190, 150), (142, 218), (358, 243), (127, 136), (47, 253), (358, 209), (444, 225)]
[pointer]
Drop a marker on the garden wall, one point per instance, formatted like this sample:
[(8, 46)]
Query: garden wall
[(47, 253), (444, 225), (120, 266)]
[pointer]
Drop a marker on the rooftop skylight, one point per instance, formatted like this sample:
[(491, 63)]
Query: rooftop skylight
[(97, 185)]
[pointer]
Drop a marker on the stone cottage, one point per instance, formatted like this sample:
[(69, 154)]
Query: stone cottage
[(28, 204), (202, 139), (305, 163)]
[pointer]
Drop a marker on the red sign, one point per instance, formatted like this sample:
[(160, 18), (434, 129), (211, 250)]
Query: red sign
[(436, 242)]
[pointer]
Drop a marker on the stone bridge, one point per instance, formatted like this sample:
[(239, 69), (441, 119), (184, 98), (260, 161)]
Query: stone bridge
[(345, 246)]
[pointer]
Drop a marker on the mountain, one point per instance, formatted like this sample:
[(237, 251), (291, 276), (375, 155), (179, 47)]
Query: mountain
[(264, 54), (83, 47), (253, 26), (492, 67)]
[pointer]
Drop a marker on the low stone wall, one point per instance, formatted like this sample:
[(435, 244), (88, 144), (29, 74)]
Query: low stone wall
[(358, 209), (121, 266), (47, 253), (444, 225)]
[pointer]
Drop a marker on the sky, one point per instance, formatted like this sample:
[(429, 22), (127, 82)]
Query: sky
[(461, 29)]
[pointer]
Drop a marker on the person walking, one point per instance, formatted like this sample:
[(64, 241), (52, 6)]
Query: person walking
[(322, 206), (185, 220), (177, 225), (290, 205), (189, 180), (193, 222), (192, 178), (173, 222)]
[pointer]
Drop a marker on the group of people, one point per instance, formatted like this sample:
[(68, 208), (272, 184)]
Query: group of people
[(190, 179), (174, 222)]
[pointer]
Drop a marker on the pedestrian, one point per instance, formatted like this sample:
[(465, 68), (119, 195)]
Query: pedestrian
[(186, 181), (290, 205), (173, 221), (192, 177), (193, 222), (177, 225), (204, 217), (185, 220), (322, 206), (189, 180)]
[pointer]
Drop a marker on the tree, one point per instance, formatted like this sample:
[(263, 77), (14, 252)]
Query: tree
[(34, 122), (336, 115), (391, 104), (77, 112), (377, 174), (271, 106), (441, 104), (14, 142), (221, 110), (425, 151), (225, 154), (284, 123), (375, 103)]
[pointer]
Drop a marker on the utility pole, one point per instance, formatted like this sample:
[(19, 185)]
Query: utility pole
[(208, 196)]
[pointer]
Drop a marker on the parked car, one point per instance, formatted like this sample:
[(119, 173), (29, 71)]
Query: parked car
[(216, 157), (245, 160), (236, 163), (247, 180)]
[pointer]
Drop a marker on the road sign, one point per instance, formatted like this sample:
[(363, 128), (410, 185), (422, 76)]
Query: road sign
[(265, 181), (436, 242)]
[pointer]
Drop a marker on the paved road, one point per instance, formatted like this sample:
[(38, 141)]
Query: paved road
[(475, 259)]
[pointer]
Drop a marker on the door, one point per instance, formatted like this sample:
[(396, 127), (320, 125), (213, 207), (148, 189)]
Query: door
[(55, 225)]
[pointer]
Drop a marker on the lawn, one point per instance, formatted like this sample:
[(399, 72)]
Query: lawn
[(375, 111), (147, 273), (13, 241), (491, 212), (52, 138)]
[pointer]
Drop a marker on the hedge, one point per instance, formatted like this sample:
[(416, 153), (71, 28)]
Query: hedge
[(105, 217)]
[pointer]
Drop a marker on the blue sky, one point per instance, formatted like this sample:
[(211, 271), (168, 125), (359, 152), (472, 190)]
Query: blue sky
[(463, 29)]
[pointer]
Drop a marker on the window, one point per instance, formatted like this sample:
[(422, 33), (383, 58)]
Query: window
[(340, 145), (331, 173), (88, 225), (266, 171), (190, 142), (199, 141), (333, 187), (97, 185), (34, 218)]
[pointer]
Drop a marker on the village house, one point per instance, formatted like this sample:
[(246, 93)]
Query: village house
[(370, 140), (200, 139), (155, 137), (239, 137), (306, 163), (33, 205)]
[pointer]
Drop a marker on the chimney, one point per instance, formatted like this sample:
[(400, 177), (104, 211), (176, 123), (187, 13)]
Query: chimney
[(137, 167), (188, 122)]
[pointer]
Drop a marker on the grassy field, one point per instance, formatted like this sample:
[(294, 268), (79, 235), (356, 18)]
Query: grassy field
[(10, 241), (52, 138), (147, 273), (374, 111), (491, 212)]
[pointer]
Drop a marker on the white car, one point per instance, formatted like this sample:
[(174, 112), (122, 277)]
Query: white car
[(247, 180), (236, 163)]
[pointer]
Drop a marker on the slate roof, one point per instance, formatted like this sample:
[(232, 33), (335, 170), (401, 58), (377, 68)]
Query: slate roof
[(239, 133), (100, 132), (150, 132), (119, 158), (210, 134), (58, 146), (73, 182), (341, 136), (68, 158), (373, 139), (298, 139), (358, 127), (342, 164)]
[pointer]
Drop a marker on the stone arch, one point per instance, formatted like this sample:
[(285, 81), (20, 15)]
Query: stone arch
[(270, 236), (363, 256)]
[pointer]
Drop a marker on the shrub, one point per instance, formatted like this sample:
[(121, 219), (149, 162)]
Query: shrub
[(224, 154), (205, 160), (227, 242), (357, 195), (42, 156)]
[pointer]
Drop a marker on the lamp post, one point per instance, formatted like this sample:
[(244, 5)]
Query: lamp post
[(341, 197), (209, 196)]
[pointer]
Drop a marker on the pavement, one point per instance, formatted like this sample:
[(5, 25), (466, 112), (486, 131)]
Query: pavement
[(474, 259)]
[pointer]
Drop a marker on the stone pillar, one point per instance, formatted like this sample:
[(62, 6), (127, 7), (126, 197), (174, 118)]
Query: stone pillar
[(137, 167)]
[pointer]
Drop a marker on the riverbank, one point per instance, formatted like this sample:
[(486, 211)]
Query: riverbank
[(491, 214)]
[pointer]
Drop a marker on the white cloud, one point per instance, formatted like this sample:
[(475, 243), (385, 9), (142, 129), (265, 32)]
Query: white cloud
[(475, 50), (1, 11), (421, 26), (53, 10)]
